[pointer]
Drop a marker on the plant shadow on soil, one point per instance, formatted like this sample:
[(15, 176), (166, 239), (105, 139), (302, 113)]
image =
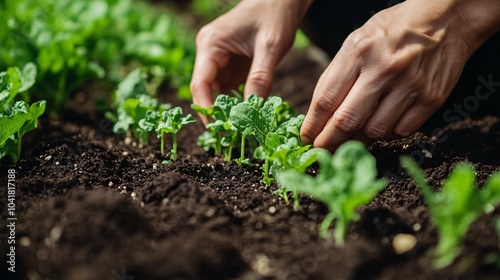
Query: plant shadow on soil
[(93, 206)]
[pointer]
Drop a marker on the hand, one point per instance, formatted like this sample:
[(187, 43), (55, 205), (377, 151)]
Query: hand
[(245, 44), (391, 74)]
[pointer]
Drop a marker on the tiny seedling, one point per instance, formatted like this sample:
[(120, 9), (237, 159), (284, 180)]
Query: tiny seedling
[(220, 131), (456, 206), (345, 181), (171, 122)]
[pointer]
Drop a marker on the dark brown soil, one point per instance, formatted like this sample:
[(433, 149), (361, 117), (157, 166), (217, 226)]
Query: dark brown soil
[(93, 206)]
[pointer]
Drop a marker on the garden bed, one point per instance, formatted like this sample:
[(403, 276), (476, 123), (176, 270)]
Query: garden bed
[(94, 205)]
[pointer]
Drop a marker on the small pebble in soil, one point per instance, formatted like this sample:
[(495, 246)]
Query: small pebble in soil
[(210, 212), (25, 241), (127, 141), (417, 227), (48, 158), (55, 233), (192, 220), (427, 154), (134, 144), (155, 166), (125, 153), (261, 264), (110, 184), (164, 201), (272, 209), (57, 163), (403, 243), (133, 195)]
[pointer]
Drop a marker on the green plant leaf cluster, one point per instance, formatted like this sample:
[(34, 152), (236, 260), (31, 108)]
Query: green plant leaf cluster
[(171, 122), (345, 181), (17, 117), (76, 41), (221, 135), (456, 206), (132, 102), (138, 113), (268, 123)]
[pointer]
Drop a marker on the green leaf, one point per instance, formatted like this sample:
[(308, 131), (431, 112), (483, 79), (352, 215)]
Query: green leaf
[(346, 180), (28, 77), (11, 124), (35, 111)]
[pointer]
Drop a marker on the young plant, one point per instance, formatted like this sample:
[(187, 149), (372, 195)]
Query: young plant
[(293, 155), (171, 122), (260, 119), (17, 117), (455, 207), (345, 181), (132, 102), (221, 132)]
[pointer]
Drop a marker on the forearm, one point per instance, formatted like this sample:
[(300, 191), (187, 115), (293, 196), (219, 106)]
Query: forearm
[(474, 20)]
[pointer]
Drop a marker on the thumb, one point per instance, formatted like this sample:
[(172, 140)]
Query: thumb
[(261, 74)]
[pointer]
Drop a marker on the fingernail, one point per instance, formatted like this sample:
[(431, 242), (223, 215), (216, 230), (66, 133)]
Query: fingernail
[(305, 140)]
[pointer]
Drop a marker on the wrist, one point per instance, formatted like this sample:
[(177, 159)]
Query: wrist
[(473, 21)]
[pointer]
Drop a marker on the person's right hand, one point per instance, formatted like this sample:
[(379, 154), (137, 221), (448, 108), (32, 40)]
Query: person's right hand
[(244, 46)]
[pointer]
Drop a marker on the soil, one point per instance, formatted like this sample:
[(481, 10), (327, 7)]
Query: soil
[(92, 205)]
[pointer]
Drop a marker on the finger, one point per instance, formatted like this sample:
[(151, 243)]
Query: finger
[(203, 80), (385, 116), (332, 88), (351, 114), (412, 120), (260, 76)]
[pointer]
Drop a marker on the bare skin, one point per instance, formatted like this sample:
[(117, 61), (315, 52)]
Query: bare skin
[(388, 78)]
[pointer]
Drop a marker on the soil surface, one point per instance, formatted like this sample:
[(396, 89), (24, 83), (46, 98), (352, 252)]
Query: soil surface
[(93, 205)]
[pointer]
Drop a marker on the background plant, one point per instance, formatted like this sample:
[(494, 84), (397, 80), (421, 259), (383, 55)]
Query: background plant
[(17, 117), (456, 206), (74, 42)]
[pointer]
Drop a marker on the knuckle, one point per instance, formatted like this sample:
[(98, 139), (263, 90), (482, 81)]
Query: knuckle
[(260, 78), (326, 103), (194, 86), (346, 121), (375, 131), (205, 33), (359, 41)]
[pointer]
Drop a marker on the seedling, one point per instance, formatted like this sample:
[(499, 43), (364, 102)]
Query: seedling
[(455, 207), (345, 181), (171, 122), (17, 117), (260, 119), (221, 132)]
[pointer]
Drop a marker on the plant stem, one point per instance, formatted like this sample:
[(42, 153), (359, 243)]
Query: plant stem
[(174, 146), (242, 148), (325, 224), (162, 143)]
